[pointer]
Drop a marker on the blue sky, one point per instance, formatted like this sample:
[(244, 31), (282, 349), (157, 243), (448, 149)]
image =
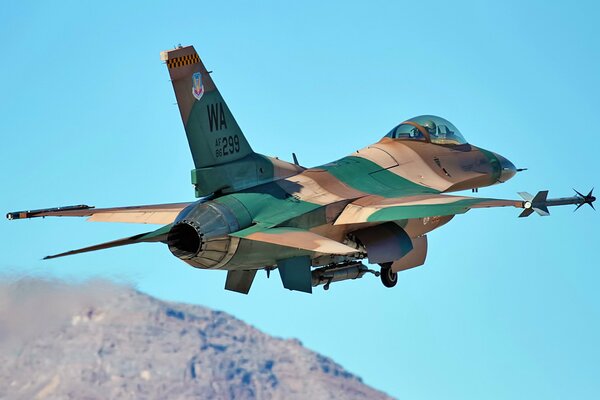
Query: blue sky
[(503, 308)]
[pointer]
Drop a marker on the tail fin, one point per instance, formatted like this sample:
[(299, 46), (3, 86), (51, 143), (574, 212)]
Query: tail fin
[(525, 196), (225, 162), (537, 203), (213, 134)]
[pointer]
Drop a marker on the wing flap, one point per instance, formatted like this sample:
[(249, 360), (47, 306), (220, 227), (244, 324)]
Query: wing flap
[(379, 209), (295, 238)]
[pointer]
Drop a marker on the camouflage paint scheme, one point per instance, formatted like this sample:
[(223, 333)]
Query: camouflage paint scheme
[(257, 212)]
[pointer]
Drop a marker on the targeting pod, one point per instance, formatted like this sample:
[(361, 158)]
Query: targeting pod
[(340, 272)]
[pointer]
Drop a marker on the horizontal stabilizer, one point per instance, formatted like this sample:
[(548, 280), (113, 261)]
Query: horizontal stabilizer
[(159, 235)]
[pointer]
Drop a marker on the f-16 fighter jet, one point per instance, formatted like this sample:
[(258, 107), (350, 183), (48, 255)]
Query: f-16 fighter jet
[(315, 225)]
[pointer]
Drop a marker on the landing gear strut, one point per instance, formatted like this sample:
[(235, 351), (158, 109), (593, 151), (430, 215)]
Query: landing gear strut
[(389, 278)]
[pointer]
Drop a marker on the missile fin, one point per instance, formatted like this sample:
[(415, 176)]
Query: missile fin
[(526, 213)]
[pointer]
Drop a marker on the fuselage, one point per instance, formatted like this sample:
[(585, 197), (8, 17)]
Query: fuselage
[(315, 197)]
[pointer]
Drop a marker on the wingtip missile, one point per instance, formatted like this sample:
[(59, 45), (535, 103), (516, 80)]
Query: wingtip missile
[(46, 211), (540, 202)]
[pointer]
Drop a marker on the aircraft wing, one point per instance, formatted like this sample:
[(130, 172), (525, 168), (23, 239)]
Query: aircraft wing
[(380, 209), (295, 238), (148, 214)]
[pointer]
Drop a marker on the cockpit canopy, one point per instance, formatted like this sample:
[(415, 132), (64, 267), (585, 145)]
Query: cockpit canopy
[(428, 128)]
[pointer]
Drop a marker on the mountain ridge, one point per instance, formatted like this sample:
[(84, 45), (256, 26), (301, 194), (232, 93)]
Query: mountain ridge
[(101, 340)]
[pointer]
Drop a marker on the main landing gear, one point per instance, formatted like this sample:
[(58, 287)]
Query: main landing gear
[(388, 277)]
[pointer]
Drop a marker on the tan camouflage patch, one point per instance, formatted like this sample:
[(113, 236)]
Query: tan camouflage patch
[(300, 239)]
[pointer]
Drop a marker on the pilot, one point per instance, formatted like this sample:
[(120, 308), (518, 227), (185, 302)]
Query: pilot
[(430, 127), (415, 133)]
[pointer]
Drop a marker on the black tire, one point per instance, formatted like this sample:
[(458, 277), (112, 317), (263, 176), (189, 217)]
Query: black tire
[(388, 277)]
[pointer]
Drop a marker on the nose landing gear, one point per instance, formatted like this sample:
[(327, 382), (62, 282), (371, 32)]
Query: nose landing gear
[(389, 278)]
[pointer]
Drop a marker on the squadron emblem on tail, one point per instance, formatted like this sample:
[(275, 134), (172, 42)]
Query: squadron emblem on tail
[(197, 86)]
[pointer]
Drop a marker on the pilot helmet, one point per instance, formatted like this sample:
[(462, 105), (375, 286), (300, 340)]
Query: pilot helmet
[(430, 126)]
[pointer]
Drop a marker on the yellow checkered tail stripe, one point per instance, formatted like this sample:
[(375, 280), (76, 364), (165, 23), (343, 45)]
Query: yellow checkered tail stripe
[(183, 60)]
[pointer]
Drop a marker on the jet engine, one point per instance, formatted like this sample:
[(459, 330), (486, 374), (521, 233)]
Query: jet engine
[(200, 234)]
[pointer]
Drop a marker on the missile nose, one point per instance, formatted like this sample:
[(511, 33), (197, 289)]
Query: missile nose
[(507, 169)]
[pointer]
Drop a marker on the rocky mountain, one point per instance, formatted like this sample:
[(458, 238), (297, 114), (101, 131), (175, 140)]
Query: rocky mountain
[(103, 341)]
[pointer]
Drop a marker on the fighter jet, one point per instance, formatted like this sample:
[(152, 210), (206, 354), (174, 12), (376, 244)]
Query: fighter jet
[(314, 225)]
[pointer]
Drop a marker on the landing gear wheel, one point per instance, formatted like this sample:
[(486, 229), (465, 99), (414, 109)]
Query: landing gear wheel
[(389, 278)]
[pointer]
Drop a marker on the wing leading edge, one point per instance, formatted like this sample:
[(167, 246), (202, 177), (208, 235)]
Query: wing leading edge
[(379, 209)]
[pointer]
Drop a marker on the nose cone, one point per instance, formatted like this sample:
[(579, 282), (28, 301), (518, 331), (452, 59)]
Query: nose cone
[(507, 169)]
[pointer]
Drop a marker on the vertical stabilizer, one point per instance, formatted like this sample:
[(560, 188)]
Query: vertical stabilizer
[(213, 134)]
